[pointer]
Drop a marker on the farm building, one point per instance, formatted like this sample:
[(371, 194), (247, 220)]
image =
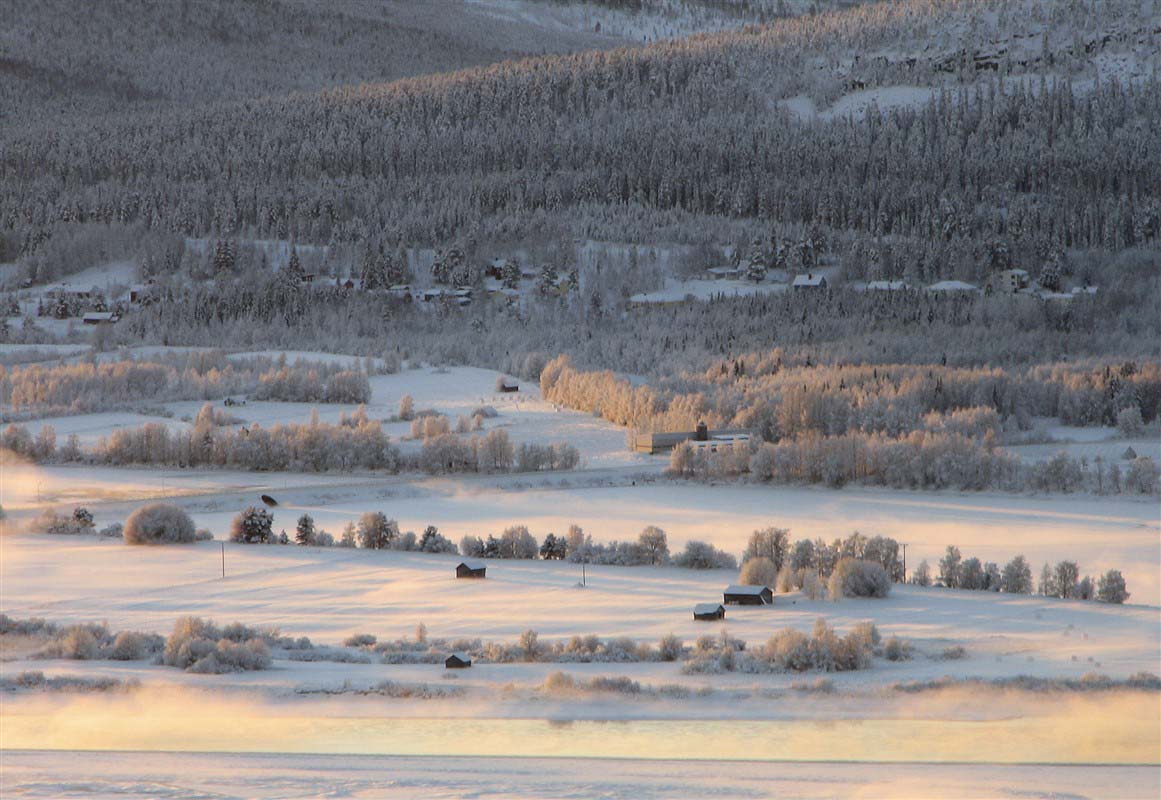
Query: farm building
[(724, 273), (100, 318), (507, 386), (471, 569), (654, 443), (457, 661), (809, 281), (748, 595), (709, 611)]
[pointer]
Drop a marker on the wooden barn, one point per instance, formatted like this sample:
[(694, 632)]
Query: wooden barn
[(748, 595), (709, 612), (470, 568), (457, 661)]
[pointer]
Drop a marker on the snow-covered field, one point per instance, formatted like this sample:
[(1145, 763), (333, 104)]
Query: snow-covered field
[(454, 391), (728, 734)]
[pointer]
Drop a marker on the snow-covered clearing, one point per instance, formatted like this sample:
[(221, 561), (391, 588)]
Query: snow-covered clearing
[(1100, 533), (454, 391), (677, 291), (330, 593)]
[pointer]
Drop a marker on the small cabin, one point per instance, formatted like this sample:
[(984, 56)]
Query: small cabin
[(457, 661), (471, 569), (709, 612), (748, 595), (507, 386)]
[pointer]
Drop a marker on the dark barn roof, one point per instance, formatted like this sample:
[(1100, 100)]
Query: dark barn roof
[(748, 594), (457, 661), (709, 611)]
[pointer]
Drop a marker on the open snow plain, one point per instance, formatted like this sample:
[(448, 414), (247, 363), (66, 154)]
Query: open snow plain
[(1006, 712)]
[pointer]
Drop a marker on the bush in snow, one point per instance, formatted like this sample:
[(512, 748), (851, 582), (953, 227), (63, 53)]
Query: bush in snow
[(760, 571), (112, 531), (1129, 421), (895, 649), (359, 640), (135, 646), (252, 526), (823, 649), (670, 648), (159, 523), (854, 578), (196, 645)]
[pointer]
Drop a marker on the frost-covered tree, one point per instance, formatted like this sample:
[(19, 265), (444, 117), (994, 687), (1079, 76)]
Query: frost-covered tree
[(949, 568), (1065, 577), (1016, 577), (770, 543), (252, 526), (304, 531), (921, 576), (971, 574), (376, 532), (1111, 588), (655, 545), (406, 408)]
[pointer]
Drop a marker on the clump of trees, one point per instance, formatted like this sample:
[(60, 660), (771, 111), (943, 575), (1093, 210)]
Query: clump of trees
[(1063, 580), (159, 523), (79, 522)]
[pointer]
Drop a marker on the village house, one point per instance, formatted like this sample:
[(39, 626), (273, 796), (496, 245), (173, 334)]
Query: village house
[(709, 612), (703, 437), (724, 273), (809, 282), (471, 568), (100, 318), (748, 595), (887, 286), (1008, 281)]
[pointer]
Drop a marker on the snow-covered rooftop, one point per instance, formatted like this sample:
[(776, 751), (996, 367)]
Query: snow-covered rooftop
[(809, 279), (952, 286), (739, 588)]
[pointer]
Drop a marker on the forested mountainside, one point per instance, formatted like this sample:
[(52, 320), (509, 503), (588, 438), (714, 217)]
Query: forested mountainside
[(59, 58), (618, 144)]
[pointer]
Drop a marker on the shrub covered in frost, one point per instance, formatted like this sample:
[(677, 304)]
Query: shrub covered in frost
[(135, 646), (895, 649), (196, 645), (159, 523), (822, 650), (760, 571), (854, 578)]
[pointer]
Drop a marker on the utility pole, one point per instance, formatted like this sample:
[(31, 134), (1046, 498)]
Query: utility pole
[(223, 559), (583, 583), (904, 562)]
